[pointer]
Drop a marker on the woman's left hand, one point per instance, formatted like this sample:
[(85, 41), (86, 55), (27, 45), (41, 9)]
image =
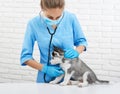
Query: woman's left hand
[(71, 53)]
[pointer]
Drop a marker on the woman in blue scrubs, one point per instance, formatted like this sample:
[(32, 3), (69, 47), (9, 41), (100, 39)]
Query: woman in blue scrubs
[(66, 34)]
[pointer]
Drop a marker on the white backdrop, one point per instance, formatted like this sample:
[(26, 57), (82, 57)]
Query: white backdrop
[(99, 19)]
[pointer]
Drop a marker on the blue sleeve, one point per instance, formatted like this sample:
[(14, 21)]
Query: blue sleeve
[(28, 45), (79, 38)]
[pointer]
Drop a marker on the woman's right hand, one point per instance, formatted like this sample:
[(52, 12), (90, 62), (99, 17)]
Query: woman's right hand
[(52, 70)]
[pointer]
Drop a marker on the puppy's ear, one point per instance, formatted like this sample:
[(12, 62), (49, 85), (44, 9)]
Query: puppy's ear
[(54, 47), (57, 49)]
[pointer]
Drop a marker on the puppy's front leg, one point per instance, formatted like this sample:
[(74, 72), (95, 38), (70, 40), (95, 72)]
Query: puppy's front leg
[(67, 78), (58, 79)]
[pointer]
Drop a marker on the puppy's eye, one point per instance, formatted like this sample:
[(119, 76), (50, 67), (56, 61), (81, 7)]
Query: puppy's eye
[(54, 54)]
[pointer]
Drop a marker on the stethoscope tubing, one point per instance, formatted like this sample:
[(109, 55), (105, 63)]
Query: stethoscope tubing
[(49, 48), (52, 34)]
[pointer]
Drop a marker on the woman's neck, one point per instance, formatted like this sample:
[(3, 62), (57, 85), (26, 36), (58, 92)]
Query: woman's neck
[(54, 26)]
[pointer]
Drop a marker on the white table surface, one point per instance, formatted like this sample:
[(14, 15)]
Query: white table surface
[(35, 88)]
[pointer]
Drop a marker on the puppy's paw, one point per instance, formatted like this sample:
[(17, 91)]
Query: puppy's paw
[(80, 85), (83, 84), (69, 83), (63, 84), (52, 82)]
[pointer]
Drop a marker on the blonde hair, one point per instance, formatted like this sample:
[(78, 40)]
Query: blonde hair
[(48, 4)]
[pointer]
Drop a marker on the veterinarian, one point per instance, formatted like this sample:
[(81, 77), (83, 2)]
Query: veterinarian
[(53, 26)]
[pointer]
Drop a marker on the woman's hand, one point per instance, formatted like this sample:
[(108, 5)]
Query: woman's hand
[(71, 53), (52, 70)]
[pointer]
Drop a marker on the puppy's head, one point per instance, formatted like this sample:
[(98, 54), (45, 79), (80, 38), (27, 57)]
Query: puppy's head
[(57, 50), (57, 55)]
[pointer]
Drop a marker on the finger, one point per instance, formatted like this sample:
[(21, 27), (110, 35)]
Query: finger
[(58, 73), (69, 51), (61, 72), (68, 54), (58, 68)]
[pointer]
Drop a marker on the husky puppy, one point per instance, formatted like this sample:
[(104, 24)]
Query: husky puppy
[(75, 69)]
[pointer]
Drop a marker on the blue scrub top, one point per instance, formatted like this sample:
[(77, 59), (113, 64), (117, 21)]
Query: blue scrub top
[(68, 35)]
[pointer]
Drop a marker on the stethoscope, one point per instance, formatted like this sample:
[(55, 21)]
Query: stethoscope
[(50, 41)]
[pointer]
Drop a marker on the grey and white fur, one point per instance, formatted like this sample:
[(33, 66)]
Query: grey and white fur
[(74, 69)]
